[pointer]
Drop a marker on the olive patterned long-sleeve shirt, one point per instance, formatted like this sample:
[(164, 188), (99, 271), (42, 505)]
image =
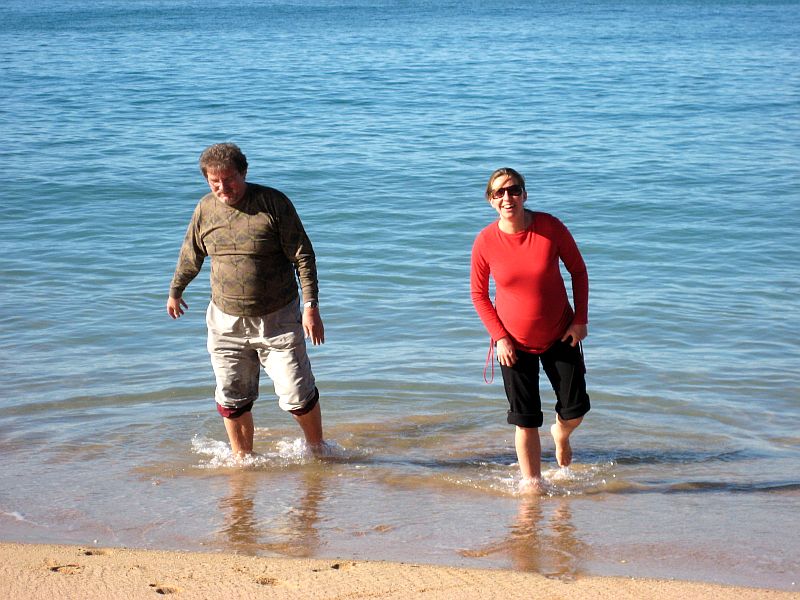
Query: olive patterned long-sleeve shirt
[(256, 248)]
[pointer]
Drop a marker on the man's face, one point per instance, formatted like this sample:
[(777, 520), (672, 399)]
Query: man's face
[(228, 185)]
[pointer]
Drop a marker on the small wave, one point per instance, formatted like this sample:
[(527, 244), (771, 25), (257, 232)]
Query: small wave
[(633, 457), (734, 487), (17, 516)]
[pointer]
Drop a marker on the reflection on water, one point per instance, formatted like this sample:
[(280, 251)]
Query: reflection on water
[(293, 532), (241, 526), (295, 521), (536, 543)]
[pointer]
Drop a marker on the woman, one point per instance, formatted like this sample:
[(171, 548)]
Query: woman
[(532, 320)]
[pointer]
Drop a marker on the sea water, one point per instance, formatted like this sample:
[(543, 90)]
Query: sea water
[(665, 135)]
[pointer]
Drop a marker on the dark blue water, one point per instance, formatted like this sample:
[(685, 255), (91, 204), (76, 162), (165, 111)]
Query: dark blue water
[(665, 135)]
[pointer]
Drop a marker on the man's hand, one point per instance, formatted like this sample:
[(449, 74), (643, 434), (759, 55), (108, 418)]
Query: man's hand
[(175, 307), (505, 352), (312, 325), (576, 332)]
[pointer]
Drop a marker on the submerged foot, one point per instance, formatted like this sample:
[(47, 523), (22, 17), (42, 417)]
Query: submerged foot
[(563, 449), (320, 450), (531, 487), (243, 459)]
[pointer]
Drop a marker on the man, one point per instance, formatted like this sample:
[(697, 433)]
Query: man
[(257, 243)]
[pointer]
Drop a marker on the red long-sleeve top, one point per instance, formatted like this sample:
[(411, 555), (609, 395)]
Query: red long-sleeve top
[(531, 303)]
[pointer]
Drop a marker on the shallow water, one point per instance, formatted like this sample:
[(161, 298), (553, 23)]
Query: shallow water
[(665, 136)]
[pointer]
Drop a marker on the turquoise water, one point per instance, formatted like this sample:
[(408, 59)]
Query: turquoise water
[(665, 135)]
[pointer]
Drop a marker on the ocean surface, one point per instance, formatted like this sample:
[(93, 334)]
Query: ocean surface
[(666, 135)]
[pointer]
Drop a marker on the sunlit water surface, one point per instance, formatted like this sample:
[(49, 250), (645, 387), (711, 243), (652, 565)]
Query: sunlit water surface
[(664, 135)]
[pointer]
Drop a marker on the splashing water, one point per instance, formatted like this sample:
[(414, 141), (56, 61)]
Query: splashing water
[(576, 479), (286, 452)]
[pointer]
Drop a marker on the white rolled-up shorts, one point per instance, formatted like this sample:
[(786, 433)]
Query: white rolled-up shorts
[(241, 346)]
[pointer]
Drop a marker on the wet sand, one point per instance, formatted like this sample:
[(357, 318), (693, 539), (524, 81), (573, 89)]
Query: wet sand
[(38, 571)]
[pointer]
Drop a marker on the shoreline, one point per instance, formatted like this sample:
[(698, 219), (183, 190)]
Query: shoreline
[(55, 571)]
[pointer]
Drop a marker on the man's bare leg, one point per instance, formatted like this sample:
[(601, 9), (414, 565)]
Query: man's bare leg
[(240, 433), (561, 430), (311, 424), (529, 455)]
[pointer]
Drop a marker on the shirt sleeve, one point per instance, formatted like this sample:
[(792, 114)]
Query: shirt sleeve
[(479, 289), (573, 261), (298, 249), (190, 259)]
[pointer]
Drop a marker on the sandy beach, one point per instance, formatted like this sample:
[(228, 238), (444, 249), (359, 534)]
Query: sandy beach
[(36, 571)]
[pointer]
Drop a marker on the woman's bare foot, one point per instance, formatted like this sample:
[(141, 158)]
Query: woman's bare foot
[(531, 487), (563, 449)]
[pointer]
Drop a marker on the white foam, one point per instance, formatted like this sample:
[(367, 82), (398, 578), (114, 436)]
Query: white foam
[(576, 478), (286, 452), (561, 474), (17, 517), (298, 450)]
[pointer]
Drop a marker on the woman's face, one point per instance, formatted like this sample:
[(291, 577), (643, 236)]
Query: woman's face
[(507, 197)]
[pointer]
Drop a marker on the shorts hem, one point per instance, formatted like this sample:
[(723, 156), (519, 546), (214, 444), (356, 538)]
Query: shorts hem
[(575, 413), (303, 410), (234, 413), (527, 421)]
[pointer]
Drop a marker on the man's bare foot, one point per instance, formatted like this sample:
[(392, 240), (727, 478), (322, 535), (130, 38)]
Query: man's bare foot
[(563, 449), (531, 487), (320, 450)]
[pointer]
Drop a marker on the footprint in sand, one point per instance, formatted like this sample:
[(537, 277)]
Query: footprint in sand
[(67, 569), (337, 566), (163, 589)]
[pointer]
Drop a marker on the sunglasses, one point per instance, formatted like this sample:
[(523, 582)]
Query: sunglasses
[(513, 190)]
